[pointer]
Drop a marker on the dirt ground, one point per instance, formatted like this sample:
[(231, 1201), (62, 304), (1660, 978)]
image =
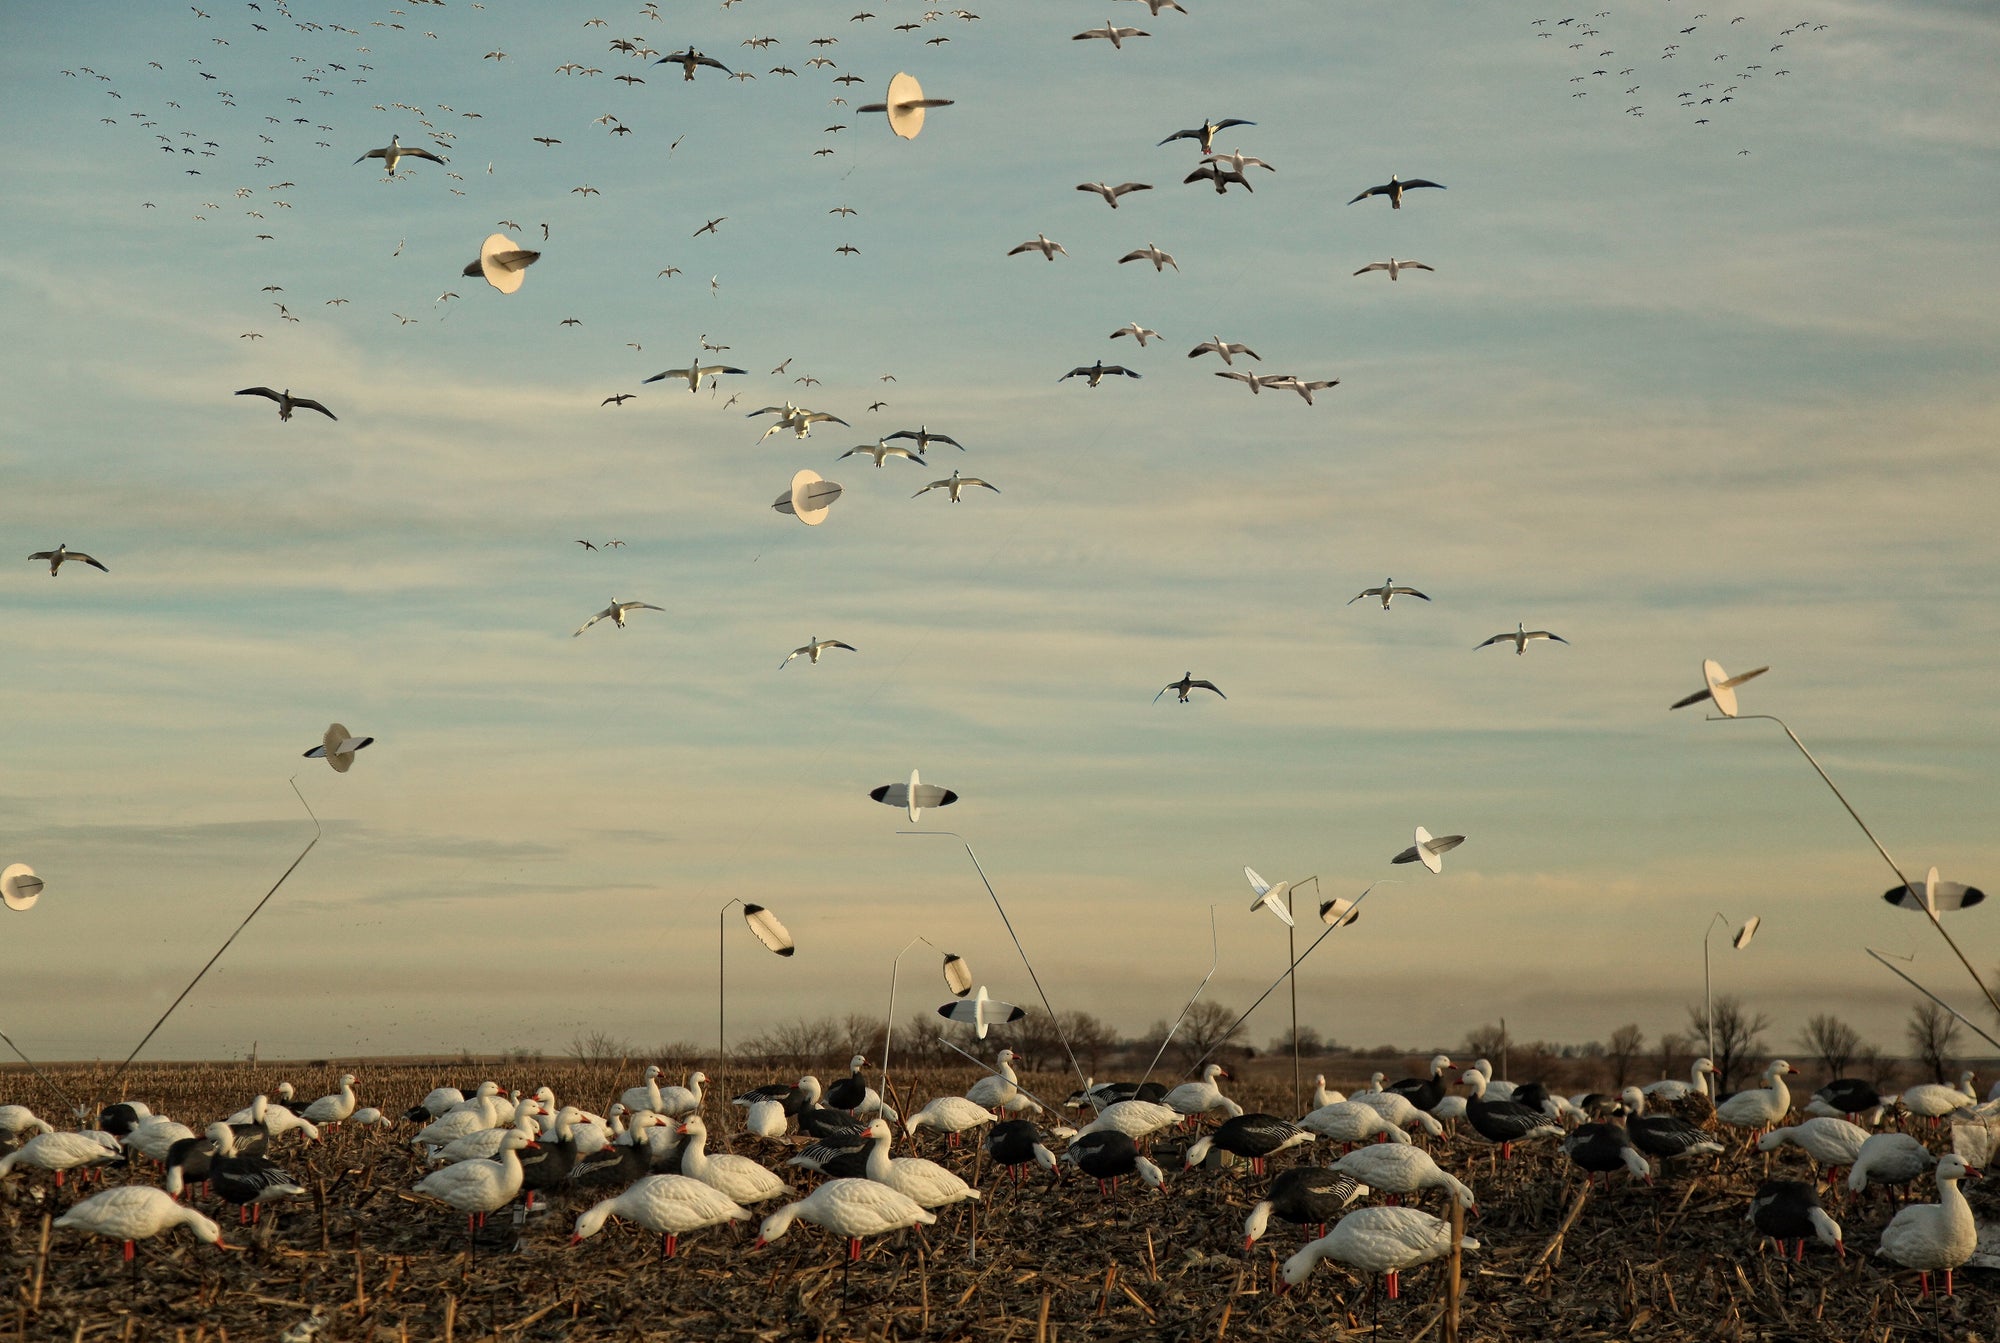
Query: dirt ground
[(361, 1258)]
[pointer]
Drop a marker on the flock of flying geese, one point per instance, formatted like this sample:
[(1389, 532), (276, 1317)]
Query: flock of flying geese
[(647, 1161)]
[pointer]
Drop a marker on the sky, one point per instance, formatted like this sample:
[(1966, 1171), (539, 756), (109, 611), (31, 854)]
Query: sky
[(1712, 380)]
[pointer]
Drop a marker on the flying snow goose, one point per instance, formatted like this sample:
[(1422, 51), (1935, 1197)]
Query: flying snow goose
[(1111, 33), (1394, 267), (396, 151), (812, 648), (1933, 1236), (1111, 193), (881, 449), (670, 1206), (1226, 348), (1256, 382), (1394, 189), (1204, 134), (1377, 1240), (695, 372), (1220, 174), (1520, 638), (1188, 683), (62, 553), (1388, 592), (1139, 333), (1150, 252), (955, 486), (1304, 388), (287, 403), (1042, 243), (1237, 160), (1098, 372), (690, 60), (923, 438), (616, 613)]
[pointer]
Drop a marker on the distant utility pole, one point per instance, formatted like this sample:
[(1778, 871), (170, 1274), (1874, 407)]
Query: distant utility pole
[(253, 1056)]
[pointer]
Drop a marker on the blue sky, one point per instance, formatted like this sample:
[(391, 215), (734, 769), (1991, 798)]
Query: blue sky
[(1670, 400)]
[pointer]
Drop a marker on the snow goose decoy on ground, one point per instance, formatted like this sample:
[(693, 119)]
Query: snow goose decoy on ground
[(436, 1104), (616, 613), (1504, 1122), (337, 747), (1111, 193), (926, 1183), (1042, 243), (18, 1121), (1789, 1210), (737, 1176), (137, 1212), (1150, 252), (1303, 1196), (848, 1092), (250, 1182), (1377, 1240), (1758, 1108), (1015, 1143), (287, 403), (1833, 1144), (1108, 1156), (549, 1165), (1251, 1136), (62, 553), (1323, 1094), (1393, 266), (1397, 1109), (1098, 1095), (952, 1115), (996, 1088), (1520, 638), (479, 1187), (1350, 1121), (60, 1152), (1134, 1118), (695, 372), (1111, 33), (1204, 134), (1402, 1169), (840, 1156), (676, 1102), (396, 151), (850, 1208), (1673, 1089), (766, 1119), (1186, 684), (1665, 1136), (1599, 1149), (1198, 1098), (955, 487), (645, 1096), (1428, 849), (156, 1137), (1098, 372), (1228, 349), (1426, 1092), (484, 1145), (790, 1098), (1388, 592), (1394, 189), (1846, 1098), (1934, 1100), (669, 1206), (1890, 1160), (329, 1110), (1933, 1236)]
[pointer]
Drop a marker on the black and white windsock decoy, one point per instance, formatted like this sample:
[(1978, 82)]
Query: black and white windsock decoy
[(1251, 1136), (1186, 684)]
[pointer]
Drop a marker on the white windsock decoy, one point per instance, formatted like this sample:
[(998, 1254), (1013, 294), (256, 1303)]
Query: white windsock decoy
[(1429, 849), (809, 497), (1270, 897), (338, 748), (1719, 686), (914, 796), (20, 888), (905, 106), (981, 1011), (1938, 897)]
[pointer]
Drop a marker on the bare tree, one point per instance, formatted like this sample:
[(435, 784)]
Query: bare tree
[(1738, 1035), (1882, 1073), (1671, 1054), (1311, 1044), (1832, 1041), (1488, 1042), (1209, 1030), (1933, 1036), (1627, 1043), (1090, 1036), (599, 1047)]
